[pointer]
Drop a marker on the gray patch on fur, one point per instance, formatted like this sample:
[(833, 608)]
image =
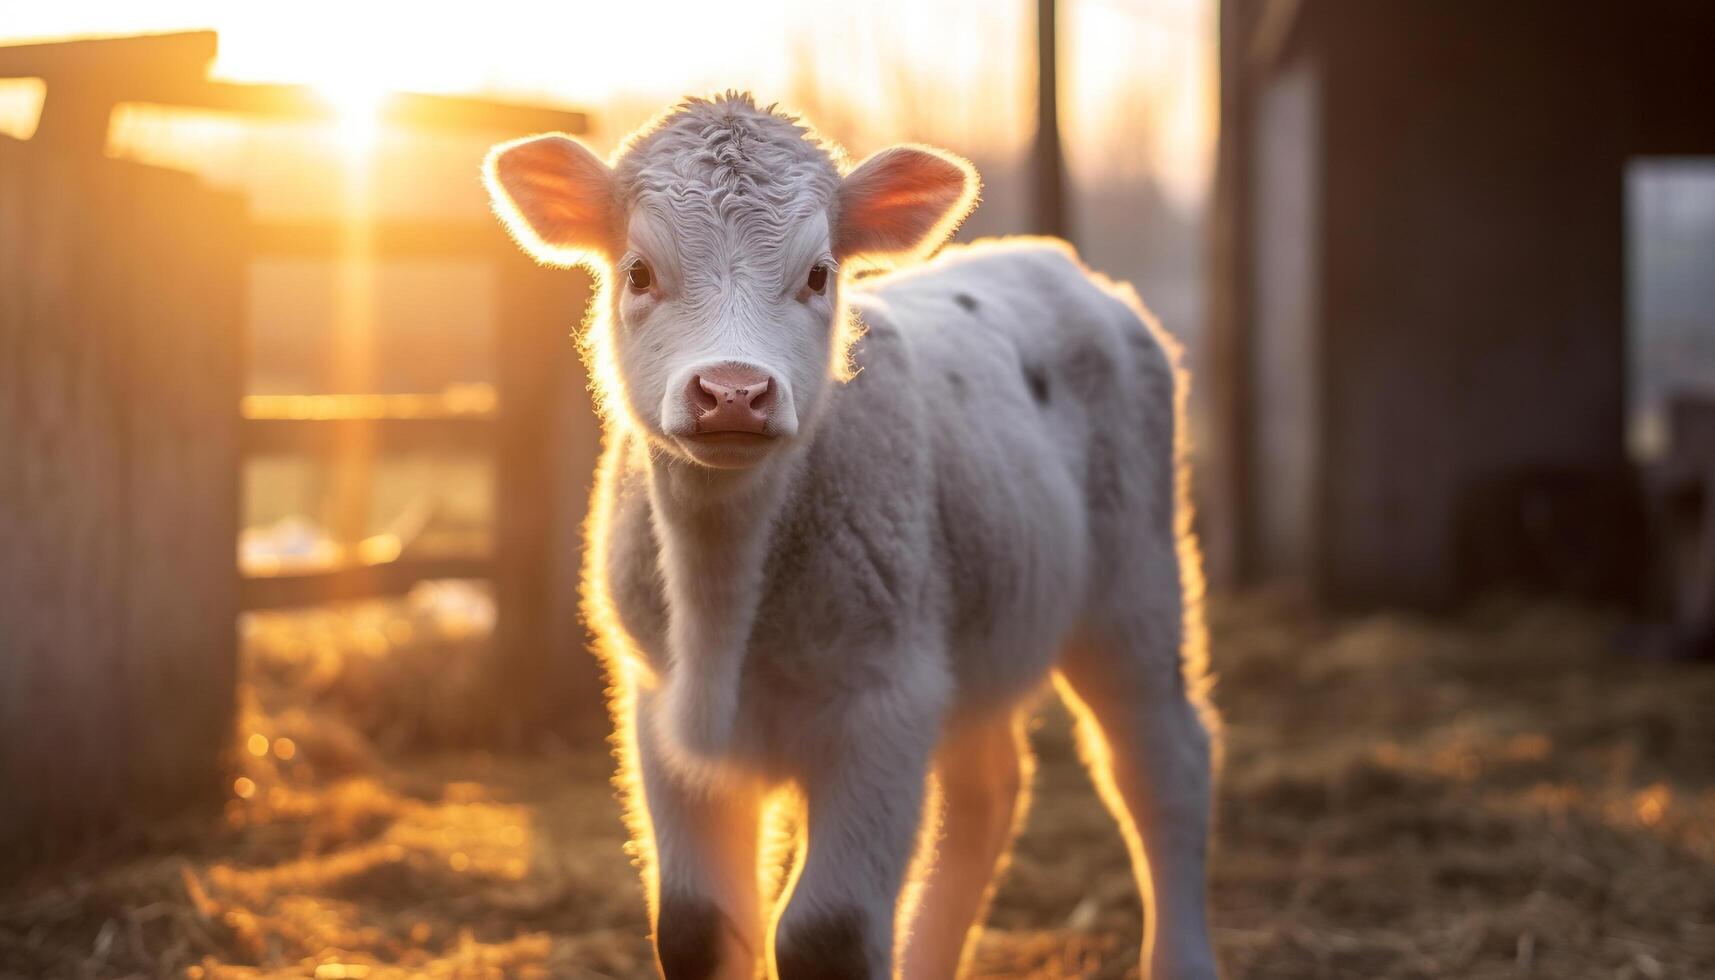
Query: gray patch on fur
[(1037, 379), (956, 382), (1088, 367)]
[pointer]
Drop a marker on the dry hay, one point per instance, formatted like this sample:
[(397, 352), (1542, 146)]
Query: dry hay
[(411, 673), (1490, 796)]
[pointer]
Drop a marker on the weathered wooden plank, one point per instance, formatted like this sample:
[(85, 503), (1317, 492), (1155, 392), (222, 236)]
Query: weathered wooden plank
[(356, 582), (400, 108), (324, 436), (119, 312), (85, 78), (61, 508), (172, 69), (183, 253), (119, 60), (391, 239)]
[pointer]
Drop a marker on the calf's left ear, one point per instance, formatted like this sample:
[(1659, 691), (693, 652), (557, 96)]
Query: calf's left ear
[(556, 198), (902, 204)]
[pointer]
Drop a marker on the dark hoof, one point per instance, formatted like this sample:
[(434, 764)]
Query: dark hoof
[(826, 948), (688, 939)]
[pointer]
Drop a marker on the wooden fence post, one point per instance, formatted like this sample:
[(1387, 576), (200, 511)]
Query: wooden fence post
[(1224, 473), (546, 447)]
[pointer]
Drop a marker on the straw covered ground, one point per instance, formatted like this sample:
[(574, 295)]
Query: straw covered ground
[(1493, 795)]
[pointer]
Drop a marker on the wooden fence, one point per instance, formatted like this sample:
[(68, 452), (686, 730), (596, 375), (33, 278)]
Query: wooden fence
[(122, 365), (539, 438)]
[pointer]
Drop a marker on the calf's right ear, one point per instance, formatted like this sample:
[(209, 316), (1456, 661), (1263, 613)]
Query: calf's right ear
[(556, 198), (902, 203)]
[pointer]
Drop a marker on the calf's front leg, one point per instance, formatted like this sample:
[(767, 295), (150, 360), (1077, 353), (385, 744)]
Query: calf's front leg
[(864, 809), (703, 883), (982, 769)]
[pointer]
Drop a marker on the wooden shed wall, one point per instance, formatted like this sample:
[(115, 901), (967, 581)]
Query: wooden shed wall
[(1475, 320)]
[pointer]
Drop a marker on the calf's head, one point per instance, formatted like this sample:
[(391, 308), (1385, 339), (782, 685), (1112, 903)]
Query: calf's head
[(718, 234)]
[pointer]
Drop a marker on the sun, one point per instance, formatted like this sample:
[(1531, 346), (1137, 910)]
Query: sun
[(358, 102)]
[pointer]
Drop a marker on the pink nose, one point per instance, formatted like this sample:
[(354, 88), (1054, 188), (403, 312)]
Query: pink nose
[(730, 398)]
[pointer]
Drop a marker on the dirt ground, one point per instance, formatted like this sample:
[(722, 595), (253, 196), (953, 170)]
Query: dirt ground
[(1493, 795)]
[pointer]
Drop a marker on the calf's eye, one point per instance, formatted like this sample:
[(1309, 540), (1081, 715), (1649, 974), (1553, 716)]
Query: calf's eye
[(639, 277), (818, 279)]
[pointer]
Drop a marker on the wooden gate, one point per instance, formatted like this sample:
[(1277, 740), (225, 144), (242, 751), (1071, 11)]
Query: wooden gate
[(539, 437)]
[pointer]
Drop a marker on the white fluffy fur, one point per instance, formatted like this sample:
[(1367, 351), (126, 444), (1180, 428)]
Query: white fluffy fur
[(985, 491)]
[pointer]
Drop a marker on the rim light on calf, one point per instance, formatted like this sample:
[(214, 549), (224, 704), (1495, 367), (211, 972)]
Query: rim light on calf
[(843, 533)]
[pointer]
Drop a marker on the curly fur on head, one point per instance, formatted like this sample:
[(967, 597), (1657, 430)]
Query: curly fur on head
[(733, 180)]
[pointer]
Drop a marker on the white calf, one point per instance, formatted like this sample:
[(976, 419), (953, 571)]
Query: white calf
[(842, 536)]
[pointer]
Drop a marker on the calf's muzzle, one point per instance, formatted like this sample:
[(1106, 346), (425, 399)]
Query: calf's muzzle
[(730, 398)]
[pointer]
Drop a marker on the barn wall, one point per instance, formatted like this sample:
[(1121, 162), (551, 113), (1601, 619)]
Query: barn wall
[(1473, 278), (120, 293)]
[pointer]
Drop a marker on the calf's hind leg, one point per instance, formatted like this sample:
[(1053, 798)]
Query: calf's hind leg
[(1149, 752)]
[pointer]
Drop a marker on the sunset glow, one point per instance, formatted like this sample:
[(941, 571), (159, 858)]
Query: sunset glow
[(1138, 86)]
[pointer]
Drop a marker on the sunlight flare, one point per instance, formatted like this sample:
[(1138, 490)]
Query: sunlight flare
[(358, 102)]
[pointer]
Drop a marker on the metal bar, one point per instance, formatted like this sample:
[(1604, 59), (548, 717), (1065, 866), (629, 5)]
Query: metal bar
[(357, 582)]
